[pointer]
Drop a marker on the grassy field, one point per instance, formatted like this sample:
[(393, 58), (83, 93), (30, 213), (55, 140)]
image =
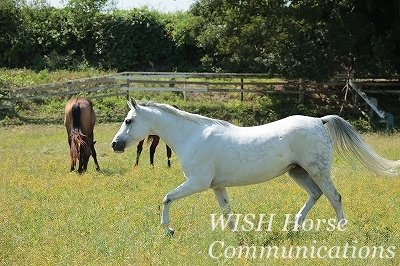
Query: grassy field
[(49, 216)]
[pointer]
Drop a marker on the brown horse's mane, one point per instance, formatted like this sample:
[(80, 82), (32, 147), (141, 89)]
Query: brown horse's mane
[(76, 142)]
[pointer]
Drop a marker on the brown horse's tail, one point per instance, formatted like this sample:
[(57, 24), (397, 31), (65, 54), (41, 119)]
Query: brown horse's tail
[(76, 116), (76, 133), (76, 143), (149, 139)]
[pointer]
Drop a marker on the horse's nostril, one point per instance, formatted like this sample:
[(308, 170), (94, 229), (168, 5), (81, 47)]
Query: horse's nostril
[(118, 146)]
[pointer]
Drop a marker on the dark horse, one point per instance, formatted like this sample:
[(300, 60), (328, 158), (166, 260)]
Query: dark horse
[(154, 139), (79, 122)]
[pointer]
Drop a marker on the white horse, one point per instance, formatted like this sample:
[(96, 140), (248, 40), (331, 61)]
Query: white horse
[(216, 154)]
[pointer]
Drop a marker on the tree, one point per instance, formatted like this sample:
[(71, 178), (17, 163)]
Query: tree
[(328, 37), (10, 22), (312, 39), (238, 36), (84, 20), (304, 49), (182, 28), (383, 54), (134, 40)]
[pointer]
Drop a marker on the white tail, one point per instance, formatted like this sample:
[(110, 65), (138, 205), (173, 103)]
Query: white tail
[(347, 142)]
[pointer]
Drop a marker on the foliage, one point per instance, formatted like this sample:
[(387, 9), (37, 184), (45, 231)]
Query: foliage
[(297, 39), (132, 40), (238, 36), (183, 30), (300, 39), (10, 25)]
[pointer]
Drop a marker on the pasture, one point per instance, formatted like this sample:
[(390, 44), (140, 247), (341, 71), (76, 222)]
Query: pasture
[(50, 216)]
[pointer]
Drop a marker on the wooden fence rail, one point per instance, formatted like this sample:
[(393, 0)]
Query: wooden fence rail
[(105, 86)]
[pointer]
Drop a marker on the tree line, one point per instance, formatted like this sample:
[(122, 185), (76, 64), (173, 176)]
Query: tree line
[(313, 39)]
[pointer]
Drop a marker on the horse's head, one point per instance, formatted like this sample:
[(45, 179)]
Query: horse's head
[(132, 130)]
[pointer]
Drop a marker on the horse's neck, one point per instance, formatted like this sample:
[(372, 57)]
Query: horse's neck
[(173, 129)]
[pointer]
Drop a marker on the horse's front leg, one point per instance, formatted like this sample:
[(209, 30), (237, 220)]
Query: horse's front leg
[(189, 187), (223, 200), (155, 140), (139, 151)]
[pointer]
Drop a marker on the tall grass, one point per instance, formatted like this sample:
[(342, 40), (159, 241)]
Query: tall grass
[(50, 216)]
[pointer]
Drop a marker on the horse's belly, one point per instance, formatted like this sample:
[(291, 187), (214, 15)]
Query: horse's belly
[(248, 176)]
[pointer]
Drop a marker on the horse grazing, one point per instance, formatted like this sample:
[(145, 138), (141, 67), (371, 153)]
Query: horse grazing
[(216, 154), (79, 122), (154, 139)]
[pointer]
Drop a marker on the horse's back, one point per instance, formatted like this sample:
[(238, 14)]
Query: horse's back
[(87, 115), (292, 127), (266, 151)]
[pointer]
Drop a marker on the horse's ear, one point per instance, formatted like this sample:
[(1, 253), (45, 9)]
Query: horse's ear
[(132, 104)]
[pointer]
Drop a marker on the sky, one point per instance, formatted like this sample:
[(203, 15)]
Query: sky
[(159, 5)]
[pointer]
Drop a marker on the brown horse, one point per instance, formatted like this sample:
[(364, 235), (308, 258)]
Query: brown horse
[(79, 122), (154, 139)]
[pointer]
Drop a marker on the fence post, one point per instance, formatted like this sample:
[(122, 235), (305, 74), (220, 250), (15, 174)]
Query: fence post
[(127, 92), (301, 94), (11, 100), (69, 90), (241, 88), (184, 91)]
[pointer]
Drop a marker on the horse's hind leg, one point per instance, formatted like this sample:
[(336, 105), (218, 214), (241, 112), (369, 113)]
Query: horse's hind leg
[(334, 197), (73, 161), (223, 200), (94, 155), (303, 179), (169, 153), (73, 164), (323, 179)]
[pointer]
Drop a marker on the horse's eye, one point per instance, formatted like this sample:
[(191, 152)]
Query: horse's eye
[(128, 121)]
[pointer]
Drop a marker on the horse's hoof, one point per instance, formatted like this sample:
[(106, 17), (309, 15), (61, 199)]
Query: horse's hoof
[(169, 231)]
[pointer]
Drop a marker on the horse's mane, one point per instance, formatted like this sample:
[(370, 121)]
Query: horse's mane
[(192, 117)]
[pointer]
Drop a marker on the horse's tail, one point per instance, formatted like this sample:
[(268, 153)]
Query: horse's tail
[(149, 139), (76, 116), (347, 142), (153, 139), (76, 143), (76, 133)]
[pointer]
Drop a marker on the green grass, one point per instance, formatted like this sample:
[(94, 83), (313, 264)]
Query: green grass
[(49, 216)]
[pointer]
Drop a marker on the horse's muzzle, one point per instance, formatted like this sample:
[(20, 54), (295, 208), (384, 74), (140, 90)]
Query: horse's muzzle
[(118, 147)]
